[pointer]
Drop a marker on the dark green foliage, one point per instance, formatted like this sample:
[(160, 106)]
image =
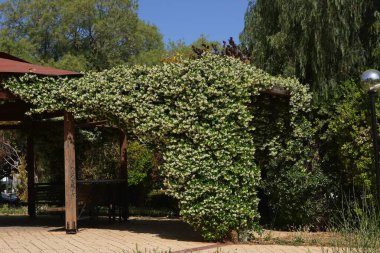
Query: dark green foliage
[(321, 42), (292, 194), (140, 164), (375, 42), (159, 200), (297, 197), (345, 140), (48, 149), (97, 154), (145, 182)]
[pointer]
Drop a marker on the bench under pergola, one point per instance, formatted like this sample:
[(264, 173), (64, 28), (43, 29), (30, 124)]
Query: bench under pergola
[(13, 116)]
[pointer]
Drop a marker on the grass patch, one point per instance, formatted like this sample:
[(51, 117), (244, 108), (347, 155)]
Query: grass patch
[(6, 209), (358, 228), (297, 238)]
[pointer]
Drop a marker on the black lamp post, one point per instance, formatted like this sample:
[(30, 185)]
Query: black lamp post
[(372, 77)]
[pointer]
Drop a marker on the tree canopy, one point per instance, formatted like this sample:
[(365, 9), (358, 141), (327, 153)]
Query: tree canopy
[(326, 44), (320, 42), (77, 35)]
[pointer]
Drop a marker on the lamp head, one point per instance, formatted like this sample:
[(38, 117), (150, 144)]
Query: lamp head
[(371, 75), (371, 79)]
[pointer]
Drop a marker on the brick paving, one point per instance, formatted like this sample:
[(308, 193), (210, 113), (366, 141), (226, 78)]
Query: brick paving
[(46, 234)]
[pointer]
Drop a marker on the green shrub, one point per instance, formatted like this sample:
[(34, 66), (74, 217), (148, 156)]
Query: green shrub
[(98, 155), (345, 140), (297, 197), (6, 209), (22, 186), (293, 189), (140, 164), (160, 200)]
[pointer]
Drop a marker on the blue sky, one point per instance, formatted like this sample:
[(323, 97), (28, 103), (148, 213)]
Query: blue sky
[(188, 19)]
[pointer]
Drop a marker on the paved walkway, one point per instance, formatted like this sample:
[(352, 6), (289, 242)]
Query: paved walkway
[(21, 234)]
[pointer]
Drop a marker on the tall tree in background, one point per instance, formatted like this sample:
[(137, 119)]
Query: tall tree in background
[(177, 50), (321, 42), (375, 28), (78, 34)]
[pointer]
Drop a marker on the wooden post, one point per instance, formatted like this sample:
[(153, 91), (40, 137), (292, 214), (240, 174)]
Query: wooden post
[(30, 169), (124, 175), (70, 174)]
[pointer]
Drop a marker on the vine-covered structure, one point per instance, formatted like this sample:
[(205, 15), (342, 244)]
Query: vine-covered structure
[(14, 116), (201, 115)]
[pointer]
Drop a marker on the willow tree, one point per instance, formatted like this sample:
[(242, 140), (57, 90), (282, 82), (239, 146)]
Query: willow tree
[(376, 42), (320, 42)]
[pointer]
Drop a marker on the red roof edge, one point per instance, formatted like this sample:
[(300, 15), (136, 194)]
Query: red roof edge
[(11, 65), (11, 57)]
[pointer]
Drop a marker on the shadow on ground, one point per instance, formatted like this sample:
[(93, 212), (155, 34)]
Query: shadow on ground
[(173, 229)]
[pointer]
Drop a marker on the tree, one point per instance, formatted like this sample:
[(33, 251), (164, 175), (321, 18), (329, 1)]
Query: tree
[(177, 50), (321, 42), (9, 159), (79, 34), (150, 48), (376, 42)]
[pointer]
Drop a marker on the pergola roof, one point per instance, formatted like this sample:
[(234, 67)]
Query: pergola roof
[(12, 65), (12, 108)]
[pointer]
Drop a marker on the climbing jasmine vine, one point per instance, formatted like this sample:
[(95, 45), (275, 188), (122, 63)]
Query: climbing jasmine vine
[(198, 113)]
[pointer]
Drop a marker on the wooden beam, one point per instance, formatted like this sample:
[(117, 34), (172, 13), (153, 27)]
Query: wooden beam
[(11, 117), (30, 169), (7, 95), (37, 125), (70, 174), (92, 124), (47, 115), (42, 125), (46, 124), (124, 175), (277, 91), (13, 110), (11, 126)]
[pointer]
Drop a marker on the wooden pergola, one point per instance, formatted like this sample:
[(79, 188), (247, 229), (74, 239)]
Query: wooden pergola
[(13, 116)]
